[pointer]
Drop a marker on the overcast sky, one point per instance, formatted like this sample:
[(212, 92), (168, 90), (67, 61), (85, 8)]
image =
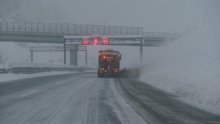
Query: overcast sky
[(153, 15)]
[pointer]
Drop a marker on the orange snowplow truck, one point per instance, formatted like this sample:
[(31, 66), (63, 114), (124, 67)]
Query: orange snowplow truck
[(109, 63)]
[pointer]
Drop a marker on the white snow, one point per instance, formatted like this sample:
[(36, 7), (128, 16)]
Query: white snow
[(131, 115), (12, 76), (12, 52), (188, 68)]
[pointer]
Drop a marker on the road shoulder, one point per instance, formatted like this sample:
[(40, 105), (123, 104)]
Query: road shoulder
[(156, 106)]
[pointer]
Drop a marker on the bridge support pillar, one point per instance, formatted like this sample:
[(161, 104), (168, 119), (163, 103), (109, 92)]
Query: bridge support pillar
[(32, 56), (73, 55), (141, 49), (86, 54), (64, 52)]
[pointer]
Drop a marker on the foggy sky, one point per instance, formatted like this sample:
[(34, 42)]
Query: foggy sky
[(153, 15)]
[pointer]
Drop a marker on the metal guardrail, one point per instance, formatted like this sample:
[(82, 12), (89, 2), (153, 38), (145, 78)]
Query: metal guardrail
[(29, 70), (62, 28), (57, 48)]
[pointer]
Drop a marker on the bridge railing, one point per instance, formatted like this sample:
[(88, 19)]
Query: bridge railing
[(163, 35), (76, 29)]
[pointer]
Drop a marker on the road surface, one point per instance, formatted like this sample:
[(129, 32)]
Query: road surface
[(65, 99), (85, 99), (158, 107)]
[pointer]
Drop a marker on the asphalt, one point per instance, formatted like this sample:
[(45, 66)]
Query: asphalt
[(158, 107), (64, 99), (83, 98)]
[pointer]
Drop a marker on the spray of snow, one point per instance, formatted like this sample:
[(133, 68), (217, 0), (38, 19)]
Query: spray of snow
[(188, 68)]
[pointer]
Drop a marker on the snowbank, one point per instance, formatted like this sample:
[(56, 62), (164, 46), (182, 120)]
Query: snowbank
[(41, 65), (188, 68)]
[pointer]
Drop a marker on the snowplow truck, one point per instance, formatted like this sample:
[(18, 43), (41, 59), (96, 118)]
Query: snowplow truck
[(109, 63)]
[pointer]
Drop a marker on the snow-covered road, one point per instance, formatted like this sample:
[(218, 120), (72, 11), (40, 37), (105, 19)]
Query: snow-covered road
[(64, 99), (159, 107), (82, 98)]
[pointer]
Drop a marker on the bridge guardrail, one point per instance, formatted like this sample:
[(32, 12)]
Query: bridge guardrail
[(80, 29), (30, 70), (162, 34)]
